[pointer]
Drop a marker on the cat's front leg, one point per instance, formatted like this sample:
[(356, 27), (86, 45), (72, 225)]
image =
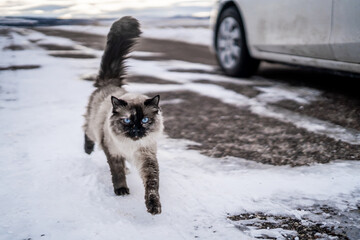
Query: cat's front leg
[(149, 172), (118, 172), (118, 169)]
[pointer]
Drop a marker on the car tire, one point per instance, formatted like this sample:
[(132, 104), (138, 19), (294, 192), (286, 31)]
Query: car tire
[(231, 49)]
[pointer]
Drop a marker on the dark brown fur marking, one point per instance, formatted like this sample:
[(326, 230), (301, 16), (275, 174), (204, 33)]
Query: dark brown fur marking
[(150, 176), (117, 169)]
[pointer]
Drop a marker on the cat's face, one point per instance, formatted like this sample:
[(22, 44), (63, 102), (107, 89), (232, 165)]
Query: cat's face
[(135, 120)]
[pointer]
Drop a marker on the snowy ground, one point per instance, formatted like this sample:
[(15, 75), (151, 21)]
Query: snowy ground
[(50, 189)]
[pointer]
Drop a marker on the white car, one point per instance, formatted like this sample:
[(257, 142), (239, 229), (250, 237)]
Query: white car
[(320, 33)]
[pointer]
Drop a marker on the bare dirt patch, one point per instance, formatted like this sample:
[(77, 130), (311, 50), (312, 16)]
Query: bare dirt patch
[(322, 222), (148, 79), (215, 71), (339, 103), (72, 55), (19, 67), (331, 107), (14, 47), (177, 50), (54, 47), (225, 130), (149, 58)]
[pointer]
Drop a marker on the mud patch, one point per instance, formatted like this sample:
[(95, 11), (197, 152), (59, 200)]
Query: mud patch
[(4, 31), (14, 47), (73, 55), (215, 71), (148, 79), (225, 130), (54, 47), (89, 40), (19, 67), (150, 58), (321, 222), (177, 50), (333, 108), (340, 103)]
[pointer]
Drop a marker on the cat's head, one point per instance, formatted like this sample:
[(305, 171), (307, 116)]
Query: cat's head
[(135, 118)]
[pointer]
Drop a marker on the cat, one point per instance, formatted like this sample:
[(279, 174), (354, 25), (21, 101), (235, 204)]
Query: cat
[(125, 125)]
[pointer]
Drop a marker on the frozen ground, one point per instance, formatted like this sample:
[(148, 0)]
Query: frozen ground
[(52, 190)]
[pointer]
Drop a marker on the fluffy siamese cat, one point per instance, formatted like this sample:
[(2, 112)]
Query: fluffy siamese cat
[(125, 125)]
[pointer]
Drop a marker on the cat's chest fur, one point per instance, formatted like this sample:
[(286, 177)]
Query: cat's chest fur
[(130, 149)]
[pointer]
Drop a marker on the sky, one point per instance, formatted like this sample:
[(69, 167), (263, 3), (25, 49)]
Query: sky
[(105, 9)]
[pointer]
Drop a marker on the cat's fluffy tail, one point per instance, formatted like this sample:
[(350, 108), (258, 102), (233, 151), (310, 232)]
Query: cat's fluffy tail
[(120, 40)]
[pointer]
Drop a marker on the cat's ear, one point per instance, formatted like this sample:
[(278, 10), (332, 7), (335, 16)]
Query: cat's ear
[(117, 102), (153, 101)]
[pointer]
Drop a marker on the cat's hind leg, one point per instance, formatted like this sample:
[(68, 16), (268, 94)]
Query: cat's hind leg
[(88, 145)]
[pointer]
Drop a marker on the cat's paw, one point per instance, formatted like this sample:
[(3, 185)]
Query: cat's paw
[(88, 145), (122, 191), (153, 204)]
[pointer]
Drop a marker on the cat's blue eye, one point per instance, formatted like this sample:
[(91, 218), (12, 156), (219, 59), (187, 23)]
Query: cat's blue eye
[(145, 120), (126, 120)]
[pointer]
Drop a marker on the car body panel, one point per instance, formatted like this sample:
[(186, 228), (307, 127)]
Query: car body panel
[(288, 27), (298, 32), (345, 37)]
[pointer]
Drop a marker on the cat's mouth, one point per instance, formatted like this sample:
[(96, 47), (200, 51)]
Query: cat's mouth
[(136, 134), (136, 137)]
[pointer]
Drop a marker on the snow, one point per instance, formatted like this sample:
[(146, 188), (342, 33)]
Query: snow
[(144, 54), (51, 187), (282, 92)]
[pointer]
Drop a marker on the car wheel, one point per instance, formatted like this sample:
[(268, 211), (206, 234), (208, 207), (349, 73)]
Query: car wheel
[(231, 49)]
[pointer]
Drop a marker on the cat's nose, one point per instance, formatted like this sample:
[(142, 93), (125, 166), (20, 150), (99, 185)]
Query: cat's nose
[(136, 131)]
